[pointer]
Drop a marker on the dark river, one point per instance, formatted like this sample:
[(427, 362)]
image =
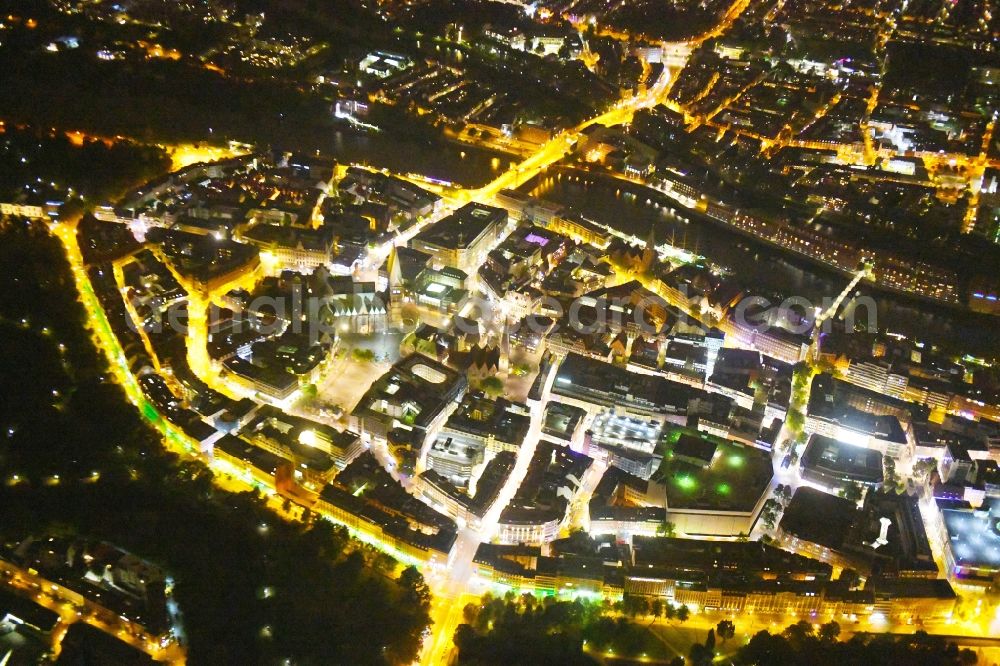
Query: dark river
[(757, 267), (440, 159)]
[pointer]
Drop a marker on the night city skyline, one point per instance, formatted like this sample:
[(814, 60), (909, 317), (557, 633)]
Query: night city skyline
[(499, 332)]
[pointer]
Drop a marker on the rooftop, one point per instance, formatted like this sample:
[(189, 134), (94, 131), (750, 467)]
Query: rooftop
[(367, 480), (562, 420), (750, 558), (842, 461), (602, 383), (819, 517), (463, 227), (502, 419), (974, 538), (27, 611), (695, 450), (269, 236), (733, 480), (828, 399), (414, 390), (541, 495)]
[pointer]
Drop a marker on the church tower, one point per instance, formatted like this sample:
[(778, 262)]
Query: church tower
[(649, 252)]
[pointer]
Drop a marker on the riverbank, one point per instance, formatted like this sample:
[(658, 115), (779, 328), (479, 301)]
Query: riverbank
[(759, 267)]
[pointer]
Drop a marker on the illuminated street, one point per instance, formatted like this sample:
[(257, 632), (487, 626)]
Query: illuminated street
[(500, 333)]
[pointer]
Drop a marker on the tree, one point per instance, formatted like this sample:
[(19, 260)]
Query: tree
[(892, 481), (725, 630), (783, 493), (352, 565), (683, 613), (470, 613), (700, 655), (656, 607), (923, 468), (829, 631), (798, 645), (797, 634), (853, 491), (629, 605), (384, 563), (767, 648), (667, 529), (413, 581), (889, 465), (967, 657), (464, 636), (710, 640), (636, 606), (492, 386), (801, 373), (770, 512), (642, 603), (521, 369), (363, 355), (795, 420), (227, 546)]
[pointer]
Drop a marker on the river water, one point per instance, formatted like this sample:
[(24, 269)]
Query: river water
[(439, 159), (758, 267), (632, 209)]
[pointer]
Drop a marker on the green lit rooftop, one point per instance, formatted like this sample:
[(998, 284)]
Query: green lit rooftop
[(734, 480)]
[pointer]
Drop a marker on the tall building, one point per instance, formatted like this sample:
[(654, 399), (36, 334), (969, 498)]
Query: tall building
[(462, 239)]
